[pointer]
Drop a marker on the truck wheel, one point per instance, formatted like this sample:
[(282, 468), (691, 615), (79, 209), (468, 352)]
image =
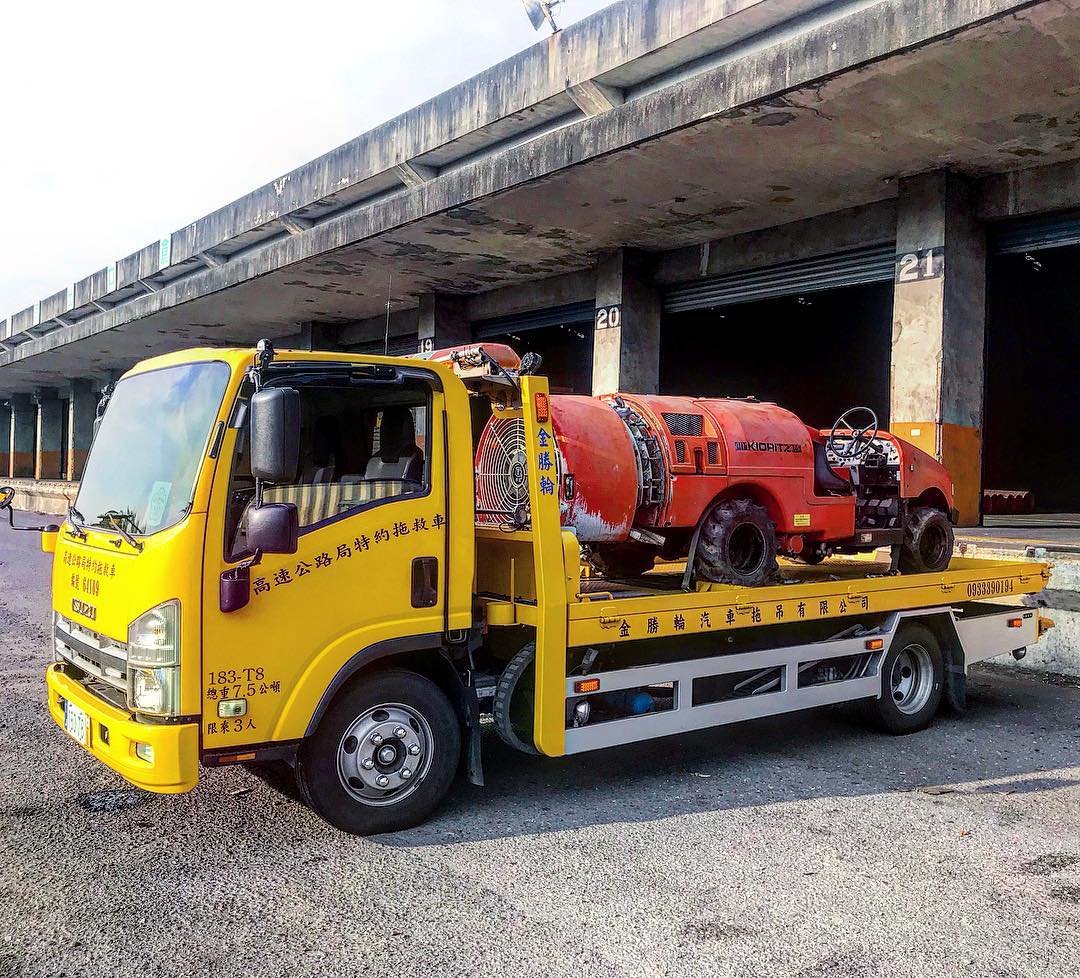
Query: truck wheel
[(928, 541), (737, 545), (619, 560), (383, 756), (912, 682)]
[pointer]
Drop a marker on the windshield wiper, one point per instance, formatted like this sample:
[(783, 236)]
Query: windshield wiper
[(75, 518), (113, 517)]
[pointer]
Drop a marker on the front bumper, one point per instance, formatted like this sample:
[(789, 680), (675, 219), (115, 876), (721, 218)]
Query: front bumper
[(175, 767)]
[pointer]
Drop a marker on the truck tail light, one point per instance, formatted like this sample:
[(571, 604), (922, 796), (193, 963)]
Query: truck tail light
[(543, 407)]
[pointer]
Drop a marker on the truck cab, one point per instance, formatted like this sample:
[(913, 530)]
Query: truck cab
[(159, 663)]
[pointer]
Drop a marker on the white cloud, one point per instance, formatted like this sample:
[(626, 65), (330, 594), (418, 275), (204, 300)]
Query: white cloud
[(124, 121)]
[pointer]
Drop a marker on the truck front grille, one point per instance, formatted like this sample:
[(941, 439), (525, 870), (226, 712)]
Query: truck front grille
[(100, 663)]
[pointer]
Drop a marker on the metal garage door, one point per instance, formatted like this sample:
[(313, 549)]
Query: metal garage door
[(1032, 233), (855, 267), (573, 314), (399, 346)]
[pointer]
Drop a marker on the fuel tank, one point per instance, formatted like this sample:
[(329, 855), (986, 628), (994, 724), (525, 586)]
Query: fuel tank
[(646, 460)]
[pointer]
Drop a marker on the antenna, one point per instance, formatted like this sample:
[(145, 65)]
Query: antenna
[(541, 11), (386, 335)]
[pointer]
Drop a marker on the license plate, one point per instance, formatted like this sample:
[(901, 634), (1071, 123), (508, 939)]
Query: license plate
[(77, 723)]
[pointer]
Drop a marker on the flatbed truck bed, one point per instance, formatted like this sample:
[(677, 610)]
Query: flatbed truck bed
[(769, 649)]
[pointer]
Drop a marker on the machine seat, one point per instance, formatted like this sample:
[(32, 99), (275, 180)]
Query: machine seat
[(826, 481)]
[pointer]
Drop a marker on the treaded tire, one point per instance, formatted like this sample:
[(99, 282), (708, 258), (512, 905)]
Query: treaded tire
[(621, 560), (514, 698), (884, 713), (928, 542), (317, 761), (737, 545)]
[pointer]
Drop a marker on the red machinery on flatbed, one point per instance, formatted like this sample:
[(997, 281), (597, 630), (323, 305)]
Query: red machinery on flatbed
[(729, 482)]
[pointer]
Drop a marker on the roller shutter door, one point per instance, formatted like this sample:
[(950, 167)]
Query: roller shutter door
[(855, 267), (573, 314), (1035, 233)]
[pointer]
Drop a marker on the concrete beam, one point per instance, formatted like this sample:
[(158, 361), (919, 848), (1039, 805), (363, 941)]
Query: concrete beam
[(211, 260), (626, 345), (939, 325), (414, 174), (295, 225), (593, 98)]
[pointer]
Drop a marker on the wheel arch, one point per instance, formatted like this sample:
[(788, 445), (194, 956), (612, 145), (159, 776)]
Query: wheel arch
[(756, 493), (423, 654), (933, 497)]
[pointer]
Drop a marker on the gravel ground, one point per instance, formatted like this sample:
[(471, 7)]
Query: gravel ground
[(801, 846)]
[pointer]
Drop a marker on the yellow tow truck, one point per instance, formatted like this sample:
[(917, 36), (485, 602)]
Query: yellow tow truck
[(277, 557)]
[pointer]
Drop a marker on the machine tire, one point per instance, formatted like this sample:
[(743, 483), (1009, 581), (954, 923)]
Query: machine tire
[(616, 561), (737, 545), (812, 555), (928, 542), (908, 702), (436, 726)]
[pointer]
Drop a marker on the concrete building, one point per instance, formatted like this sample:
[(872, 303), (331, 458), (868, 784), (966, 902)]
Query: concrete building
[(823, 203)]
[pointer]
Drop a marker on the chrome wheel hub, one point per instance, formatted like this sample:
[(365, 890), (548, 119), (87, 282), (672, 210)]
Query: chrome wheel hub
[(384, 754), (912, 679)]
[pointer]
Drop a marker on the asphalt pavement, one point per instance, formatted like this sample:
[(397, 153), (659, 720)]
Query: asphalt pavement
[(802, 846)]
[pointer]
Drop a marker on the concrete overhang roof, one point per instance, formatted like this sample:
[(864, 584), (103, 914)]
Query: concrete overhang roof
[(706, 128)]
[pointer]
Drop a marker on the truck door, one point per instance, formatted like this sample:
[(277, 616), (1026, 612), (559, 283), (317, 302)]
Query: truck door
[(369, 573)]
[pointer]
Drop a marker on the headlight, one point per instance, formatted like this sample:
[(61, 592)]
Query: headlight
[(154, 661)]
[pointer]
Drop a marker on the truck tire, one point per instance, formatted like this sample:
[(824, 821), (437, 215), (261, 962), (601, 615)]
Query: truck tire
[(737, 545), (383, 724), (928, 542), (621, 560), (912, 682)]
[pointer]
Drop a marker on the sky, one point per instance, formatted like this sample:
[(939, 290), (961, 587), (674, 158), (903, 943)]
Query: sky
[(123, 121)]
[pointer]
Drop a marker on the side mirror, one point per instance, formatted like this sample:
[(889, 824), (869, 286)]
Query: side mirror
[(275, 434), (7, 494), (273, 528)]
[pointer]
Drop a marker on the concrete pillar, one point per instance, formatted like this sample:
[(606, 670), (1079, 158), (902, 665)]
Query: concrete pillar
[(5, 440), (320, 336), (23, 436), (626, 344), (49, 460), (82, 407), (939, 325), (443, 322)]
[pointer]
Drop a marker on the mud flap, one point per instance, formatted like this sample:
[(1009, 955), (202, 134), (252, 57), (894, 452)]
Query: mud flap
[(955, 686), (474, 769)]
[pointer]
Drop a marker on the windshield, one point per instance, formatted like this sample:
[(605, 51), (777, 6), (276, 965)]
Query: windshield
[(141, 472)]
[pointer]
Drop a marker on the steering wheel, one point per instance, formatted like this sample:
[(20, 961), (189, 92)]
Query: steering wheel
[(856, 445), (7, 494)]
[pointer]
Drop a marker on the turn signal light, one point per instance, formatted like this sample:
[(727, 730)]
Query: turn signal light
[(586, 686), (875, 644), (1016, 623), (543, 408)]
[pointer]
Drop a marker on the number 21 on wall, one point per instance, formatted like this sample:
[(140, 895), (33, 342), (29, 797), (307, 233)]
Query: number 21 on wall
[(917, 266)]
